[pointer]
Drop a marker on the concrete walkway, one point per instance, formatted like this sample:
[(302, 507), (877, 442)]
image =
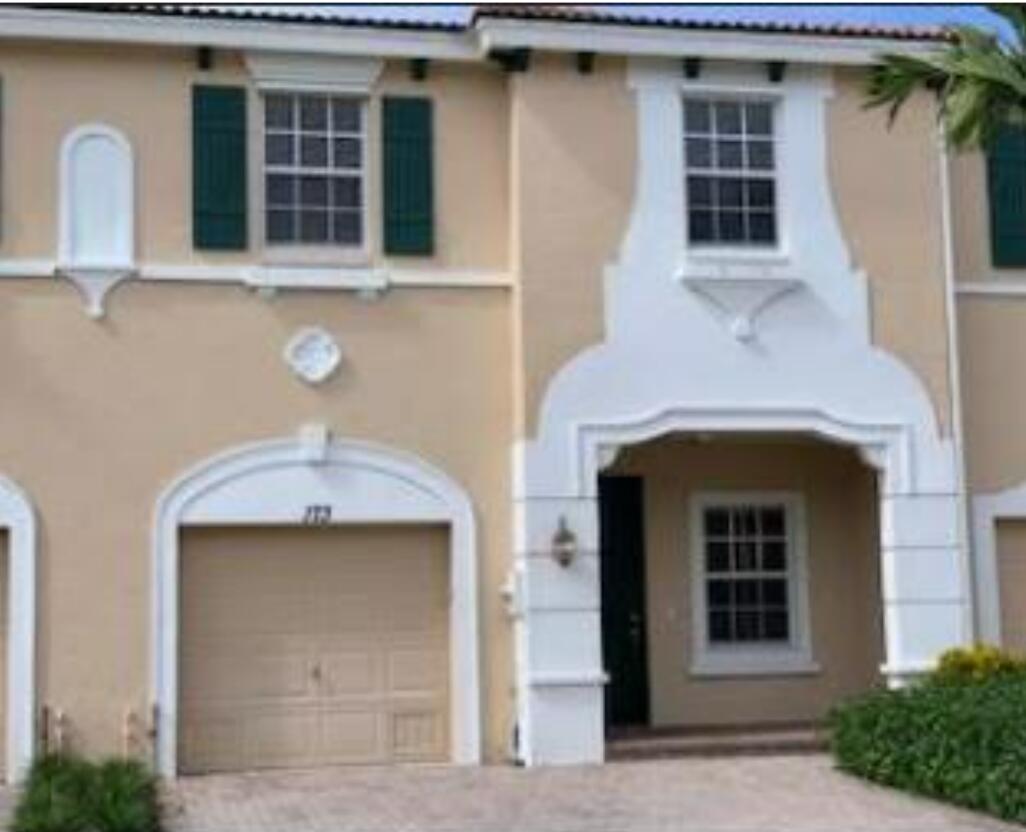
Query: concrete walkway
[(800, 793)]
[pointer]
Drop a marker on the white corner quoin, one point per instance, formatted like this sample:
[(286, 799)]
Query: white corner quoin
[(801, 362), (274, 483)]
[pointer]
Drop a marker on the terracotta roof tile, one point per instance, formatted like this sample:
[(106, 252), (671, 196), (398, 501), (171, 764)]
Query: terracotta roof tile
[(598, 16)]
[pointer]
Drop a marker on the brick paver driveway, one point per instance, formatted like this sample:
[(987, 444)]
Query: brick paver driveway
[(755, 794)]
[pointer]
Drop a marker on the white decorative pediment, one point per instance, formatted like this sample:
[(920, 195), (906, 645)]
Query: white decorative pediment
[(293, 72), (313, 354)]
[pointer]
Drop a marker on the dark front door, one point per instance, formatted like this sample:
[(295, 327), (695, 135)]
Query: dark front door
[(624, 647)]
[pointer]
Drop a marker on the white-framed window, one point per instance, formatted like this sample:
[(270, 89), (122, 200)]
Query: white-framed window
[(730, 179), (749, 584), (314, 169)]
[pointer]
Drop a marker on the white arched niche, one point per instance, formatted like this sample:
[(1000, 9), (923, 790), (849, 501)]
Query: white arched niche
[(96, 244)]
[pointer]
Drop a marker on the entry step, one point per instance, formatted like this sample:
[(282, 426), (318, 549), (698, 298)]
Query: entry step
[(655, 743)]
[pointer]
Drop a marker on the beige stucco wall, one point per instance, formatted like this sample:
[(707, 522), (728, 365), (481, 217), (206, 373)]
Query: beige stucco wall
[(992, 338), (146, 93), (573, 151), (842, 563), (886, 187), (970, 221), (98, 418)]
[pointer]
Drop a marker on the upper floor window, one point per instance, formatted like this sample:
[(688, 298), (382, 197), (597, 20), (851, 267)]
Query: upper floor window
[(314, 169), (730, 177)]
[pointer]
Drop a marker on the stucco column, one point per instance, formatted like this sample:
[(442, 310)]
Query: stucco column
[(560, 680), (925, 589)]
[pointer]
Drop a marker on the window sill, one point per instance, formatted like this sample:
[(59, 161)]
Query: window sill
[(715, 664), (309, 256), (742, 254), (358, 278)]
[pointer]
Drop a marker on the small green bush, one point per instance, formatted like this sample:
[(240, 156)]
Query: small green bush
[(63, 793), (125, 799), (54, 796), (976, 664), (963, 742)]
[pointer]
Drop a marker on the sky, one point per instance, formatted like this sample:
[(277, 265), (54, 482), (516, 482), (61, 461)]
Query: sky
[(896, 14)]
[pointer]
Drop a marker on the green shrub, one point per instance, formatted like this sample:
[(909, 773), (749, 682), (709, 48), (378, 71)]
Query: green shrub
[(964, 743), (65, 794), (52, 800), (125, 798), (975, 664)]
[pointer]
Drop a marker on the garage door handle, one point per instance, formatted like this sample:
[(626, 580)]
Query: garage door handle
[(315, 673)]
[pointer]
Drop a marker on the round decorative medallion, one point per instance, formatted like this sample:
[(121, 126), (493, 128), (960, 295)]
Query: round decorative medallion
[(313, 354)]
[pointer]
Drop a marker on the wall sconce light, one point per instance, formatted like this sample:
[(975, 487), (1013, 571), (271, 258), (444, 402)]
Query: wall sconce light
[(564, 544)]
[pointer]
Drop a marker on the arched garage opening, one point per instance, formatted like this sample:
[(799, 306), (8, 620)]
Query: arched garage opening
[(314, 481)]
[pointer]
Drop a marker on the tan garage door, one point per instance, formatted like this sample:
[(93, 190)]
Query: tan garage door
[(307, 647), (1011, 551)]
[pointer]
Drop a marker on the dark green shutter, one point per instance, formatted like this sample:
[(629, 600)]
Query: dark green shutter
[(219, 167), (1006, 178), (408, 176)]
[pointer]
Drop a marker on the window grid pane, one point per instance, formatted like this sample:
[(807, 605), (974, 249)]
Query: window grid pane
[(746, 562), (729, 160), (313, 166)]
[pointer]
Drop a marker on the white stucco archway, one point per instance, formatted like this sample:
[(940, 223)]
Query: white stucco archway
[(725, 341), (19, 519), (276, 482)]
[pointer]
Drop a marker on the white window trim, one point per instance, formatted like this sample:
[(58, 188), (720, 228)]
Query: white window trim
[(794, 658), (780, 252), (291, 254), (294, 73)]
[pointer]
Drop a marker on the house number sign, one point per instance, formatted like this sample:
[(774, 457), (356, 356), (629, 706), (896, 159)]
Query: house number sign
[(317, 514)]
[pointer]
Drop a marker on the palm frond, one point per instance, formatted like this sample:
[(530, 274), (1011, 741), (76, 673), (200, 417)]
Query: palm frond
[(980, 82)]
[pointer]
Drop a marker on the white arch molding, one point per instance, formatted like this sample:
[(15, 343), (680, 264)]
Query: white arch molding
[(272, 483), (18, 518)]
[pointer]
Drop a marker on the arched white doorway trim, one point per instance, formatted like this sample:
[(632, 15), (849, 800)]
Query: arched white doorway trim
[(19, 519), (887, 447), (276, 482)]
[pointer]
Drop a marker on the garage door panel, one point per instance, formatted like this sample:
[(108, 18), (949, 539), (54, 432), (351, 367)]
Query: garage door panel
[(356, 616), (353, 736), (418, 734), (305, 647), (351, 672), (211, 741), (249, 669), (280, 737), (416, 671)]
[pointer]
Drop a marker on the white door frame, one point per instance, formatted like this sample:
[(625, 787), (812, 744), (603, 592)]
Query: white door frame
[(19, 519), (279, 482)]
